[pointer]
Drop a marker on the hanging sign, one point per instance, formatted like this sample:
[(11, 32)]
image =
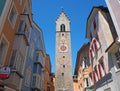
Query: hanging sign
[(4, 72)]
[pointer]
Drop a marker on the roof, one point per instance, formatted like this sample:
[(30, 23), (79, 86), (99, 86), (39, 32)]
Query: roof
[(63, 13)]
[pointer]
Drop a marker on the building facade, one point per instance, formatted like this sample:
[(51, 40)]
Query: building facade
[(52, 82), (35, 61), (83, 70), (47, 72), (101, 32), (63, 73), (114, 48), (12, 52), (114, 7)]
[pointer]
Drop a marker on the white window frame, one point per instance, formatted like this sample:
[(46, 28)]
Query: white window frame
[(6, 49), (15, 18)]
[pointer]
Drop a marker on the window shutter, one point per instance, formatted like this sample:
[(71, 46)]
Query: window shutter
[(99, 66), (91, 53), (96, 77), (93, 76), (96, 44)]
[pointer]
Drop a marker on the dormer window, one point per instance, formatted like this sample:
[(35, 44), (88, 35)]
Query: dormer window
[(62, 28)]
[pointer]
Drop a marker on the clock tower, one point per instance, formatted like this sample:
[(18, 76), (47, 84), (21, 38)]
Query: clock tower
[(63, 73)]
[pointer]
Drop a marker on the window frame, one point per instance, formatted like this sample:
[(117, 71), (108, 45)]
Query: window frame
[(12, 23), (28, 76), (62, 27), (3, 38), (117, 57), (19, 59)]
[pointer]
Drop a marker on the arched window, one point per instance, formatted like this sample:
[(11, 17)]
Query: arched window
[(62, 28)]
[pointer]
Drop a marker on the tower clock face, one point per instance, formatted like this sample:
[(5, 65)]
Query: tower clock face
[(63, 48)]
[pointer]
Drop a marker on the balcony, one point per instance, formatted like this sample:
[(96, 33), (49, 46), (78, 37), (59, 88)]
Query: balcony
[(24, 37), (24, 27), (40, 58), (36, 82)]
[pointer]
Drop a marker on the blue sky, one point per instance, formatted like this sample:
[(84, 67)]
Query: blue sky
[(45, 13)]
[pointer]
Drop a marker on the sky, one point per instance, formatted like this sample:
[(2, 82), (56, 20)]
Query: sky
[(45, 13)]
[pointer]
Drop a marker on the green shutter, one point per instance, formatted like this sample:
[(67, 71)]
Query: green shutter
[(2, 4)]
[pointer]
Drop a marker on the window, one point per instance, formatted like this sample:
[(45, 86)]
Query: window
[(28, 74), (16, 61), (117, 55), (101, 68), (94, 24), (90, 79), (13, 16), (62, 28), (23, 28), (2, 4), (20, 25), (31, 50), (84, 62), (96, 44), (3, 49), (86, 84)]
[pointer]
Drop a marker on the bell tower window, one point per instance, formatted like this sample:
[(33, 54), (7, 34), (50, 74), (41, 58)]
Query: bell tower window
[(62, 28)]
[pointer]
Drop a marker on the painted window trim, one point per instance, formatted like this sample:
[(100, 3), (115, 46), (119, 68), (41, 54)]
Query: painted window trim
[(13, 25)]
